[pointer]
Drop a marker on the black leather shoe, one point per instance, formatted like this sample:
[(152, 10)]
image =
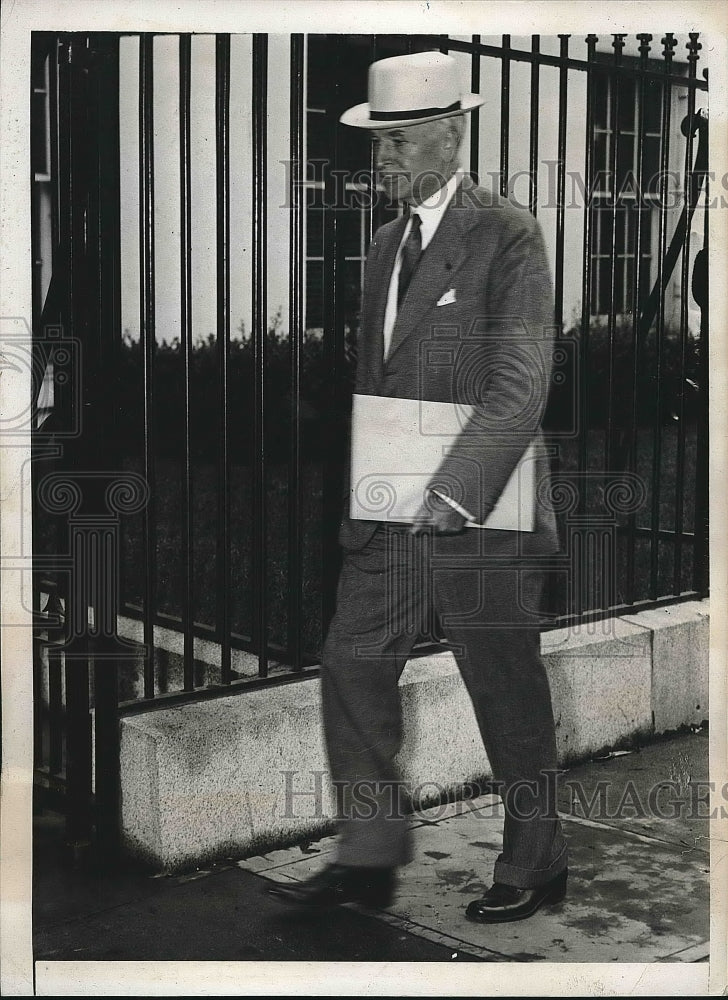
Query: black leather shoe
[(505, 902), (337, 884)]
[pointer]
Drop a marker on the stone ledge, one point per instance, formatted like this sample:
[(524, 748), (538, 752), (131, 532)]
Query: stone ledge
[(681, 645), (236, 775)]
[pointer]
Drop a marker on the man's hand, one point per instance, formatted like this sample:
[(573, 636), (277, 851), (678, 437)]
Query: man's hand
[(440, 518)]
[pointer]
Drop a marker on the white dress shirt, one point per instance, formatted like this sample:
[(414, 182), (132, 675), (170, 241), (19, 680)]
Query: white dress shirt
[(430, 212)]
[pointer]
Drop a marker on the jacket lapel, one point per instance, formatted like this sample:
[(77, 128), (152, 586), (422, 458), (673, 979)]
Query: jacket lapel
[(440, 262), (380, 290)]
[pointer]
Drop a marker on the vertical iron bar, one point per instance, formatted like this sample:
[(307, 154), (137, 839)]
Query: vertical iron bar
[(701, 545), (561, 184), (505, 112), (553, 579), (668, 43), (56, 719), (38, 741), (374, 213), (64, 257), (35, 210), (333, 354), (106, 223), (70, 238), (692, 46), (637, 296), (125, 527), (60, 171), (75, 181), (222, 190), (260, 319), (295, 326), (44, 52), (78, 724), (583, 458), (107, 748), (614, 133), (475, 114), (701, 558), (533, 129), (185, 190), (54, 53), (78, 754), (148, 336)]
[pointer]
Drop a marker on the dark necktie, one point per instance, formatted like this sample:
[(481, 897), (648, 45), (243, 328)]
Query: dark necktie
[(411, 251)]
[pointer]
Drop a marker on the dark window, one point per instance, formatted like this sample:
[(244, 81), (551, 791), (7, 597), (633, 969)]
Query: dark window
[(616, 198), (620, 222)]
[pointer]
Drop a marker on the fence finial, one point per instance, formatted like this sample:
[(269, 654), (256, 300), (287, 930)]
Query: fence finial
[(645, 39), (618, 45), (668, 44), (693, 47)]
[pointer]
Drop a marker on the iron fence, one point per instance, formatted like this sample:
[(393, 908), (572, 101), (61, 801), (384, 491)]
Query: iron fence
[(271, 590)]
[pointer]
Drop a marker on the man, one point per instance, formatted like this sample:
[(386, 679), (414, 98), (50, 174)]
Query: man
[(456, 308)]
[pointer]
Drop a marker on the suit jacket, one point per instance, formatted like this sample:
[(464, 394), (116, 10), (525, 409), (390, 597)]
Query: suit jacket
[(491, 347)]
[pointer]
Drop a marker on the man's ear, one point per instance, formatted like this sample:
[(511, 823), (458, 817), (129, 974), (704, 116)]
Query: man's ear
[(448, 140), (453, 136)]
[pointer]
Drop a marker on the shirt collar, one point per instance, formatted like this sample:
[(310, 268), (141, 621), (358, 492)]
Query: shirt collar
[(432, 209)]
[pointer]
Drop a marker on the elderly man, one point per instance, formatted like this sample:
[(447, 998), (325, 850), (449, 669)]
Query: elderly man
[(457, 309)]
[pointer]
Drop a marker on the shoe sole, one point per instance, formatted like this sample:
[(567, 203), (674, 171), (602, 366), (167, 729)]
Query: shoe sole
[(374, 901)]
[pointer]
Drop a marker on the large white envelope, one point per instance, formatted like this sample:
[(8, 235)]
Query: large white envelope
[(397, 447)]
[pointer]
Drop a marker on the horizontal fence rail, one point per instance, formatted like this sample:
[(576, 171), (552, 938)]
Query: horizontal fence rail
[(228, 573)]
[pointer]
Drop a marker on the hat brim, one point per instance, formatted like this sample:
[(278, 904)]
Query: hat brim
[(360, 115)]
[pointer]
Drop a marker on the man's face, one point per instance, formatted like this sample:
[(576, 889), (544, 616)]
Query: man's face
[(414, 161)]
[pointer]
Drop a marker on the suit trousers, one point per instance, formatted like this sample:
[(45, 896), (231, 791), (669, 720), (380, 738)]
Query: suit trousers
[(487, 601)]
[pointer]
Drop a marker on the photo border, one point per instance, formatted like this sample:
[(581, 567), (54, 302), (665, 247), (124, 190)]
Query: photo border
[(18, 974)]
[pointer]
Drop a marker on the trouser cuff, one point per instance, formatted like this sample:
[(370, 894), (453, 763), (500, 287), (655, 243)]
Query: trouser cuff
[(529, 878)]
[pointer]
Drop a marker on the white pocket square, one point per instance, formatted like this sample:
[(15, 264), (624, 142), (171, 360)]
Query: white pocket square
[(447, 298)]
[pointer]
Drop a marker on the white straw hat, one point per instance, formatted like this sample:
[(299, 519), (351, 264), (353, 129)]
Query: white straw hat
[(408, 90)]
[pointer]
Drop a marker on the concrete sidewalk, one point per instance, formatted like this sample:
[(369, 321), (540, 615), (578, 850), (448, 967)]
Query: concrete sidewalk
[(638, 888)]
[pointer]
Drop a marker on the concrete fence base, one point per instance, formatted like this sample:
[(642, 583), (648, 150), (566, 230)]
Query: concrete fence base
[(239, 774)]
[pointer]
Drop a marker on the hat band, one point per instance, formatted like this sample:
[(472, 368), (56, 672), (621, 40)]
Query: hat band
[(391, 116)]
